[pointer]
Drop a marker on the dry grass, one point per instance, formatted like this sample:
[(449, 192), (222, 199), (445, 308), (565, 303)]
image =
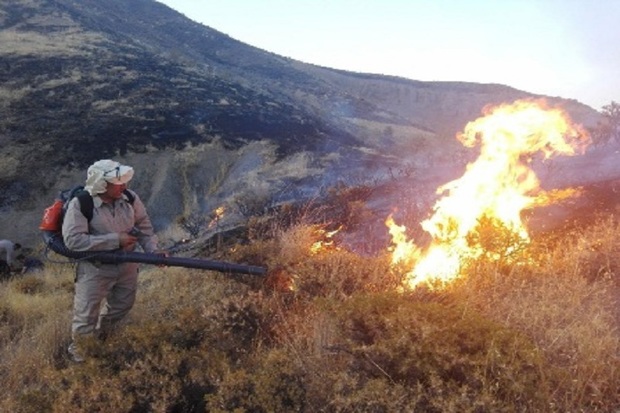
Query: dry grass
[(69, 42), (327, 331), (35, 315), (567, 302)]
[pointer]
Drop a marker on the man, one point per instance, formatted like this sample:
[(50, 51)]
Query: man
[(105, 293), (8, 252)]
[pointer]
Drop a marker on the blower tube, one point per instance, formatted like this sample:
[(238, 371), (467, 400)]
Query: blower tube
[(55, 242)]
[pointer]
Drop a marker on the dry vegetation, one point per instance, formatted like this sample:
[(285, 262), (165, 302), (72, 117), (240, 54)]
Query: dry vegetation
[(327, 331)]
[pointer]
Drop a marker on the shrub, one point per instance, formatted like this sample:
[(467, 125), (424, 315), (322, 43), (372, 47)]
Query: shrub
[(536, 332), (449, 355), (276, 384)]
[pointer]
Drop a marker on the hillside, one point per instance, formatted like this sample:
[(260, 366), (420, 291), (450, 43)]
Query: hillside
[(206, 120), (399, 274)]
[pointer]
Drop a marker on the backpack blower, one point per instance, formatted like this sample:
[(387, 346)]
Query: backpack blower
[(51, 226)]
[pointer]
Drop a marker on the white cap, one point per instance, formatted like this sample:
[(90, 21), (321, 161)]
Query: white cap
[(106, 171)]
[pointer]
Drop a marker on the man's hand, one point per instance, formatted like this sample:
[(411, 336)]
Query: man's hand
[(127, 241)]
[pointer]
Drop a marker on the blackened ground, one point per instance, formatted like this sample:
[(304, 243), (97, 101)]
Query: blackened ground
[(596, 200)]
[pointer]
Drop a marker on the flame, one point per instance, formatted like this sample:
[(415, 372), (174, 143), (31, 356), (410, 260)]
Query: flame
[(494, 189), (217, 214), (404, 251), (326, 241)]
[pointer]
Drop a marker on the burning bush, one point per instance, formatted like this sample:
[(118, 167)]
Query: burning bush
[(494, 189)]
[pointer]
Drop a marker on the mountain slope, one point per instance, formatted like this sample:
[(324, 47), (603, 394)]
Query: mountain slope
[(137, 81)]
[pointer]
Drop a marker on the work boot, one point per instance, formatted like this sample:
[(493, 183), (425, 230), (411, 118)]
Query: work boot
[(105, 329), (75, 355)]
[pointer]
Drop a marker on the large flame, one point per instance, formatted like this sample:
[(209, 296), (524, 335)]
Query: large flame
[(495, 188)]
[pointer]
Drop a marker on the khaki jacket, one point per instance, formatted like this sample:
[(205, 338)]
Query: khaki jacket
[(108, 221)]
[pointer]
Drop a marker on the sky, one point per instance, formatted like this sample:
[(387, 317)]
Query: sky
[(564, 48)]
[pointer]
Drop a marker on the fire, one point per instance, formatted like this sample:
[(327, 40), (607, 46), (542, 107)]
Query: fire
[(495, 188), (217, 214), (326, 241), (404, 251)]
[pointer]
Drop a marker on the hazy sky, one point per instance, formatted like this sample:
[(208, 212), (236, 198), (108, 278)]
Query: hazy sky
[(566, 48)]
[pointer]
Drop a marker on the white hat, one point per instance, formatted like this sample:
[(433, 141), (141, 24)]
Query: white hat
[(104, 171)]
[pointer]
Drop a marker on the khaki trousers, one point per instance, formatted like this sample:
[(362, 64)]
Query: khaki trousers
[(104, 294)]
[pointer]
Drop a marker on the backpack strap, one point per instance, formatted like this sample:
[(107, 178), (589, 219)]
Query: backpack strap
[(86, 204), (130, 196)]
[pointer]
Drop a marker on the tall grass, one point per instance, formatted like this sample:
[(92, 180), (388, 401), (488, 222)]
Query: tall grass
[(328, 331)]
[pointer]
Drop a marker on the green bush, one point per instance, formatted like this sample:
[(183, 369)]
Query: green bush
[(447, 354), (276, 384)]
